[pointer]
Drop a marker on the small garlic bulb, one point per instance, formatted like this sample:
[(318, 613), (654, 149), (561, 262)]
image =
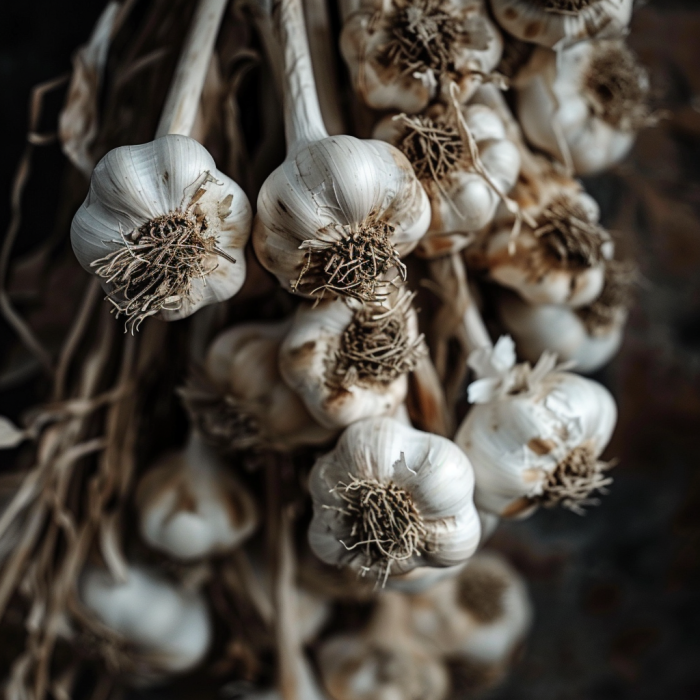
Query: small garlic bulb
[(585, 104), (465, 163), (168, 625), (556, 23), (242, 402), (162, 229), (351, 360), (534, 435), (389, 498), (403, 54), (190, 506)]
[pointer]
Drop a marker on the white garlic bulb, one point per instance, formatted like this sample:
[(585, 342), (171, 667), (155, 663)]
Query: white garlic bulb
[(584, 104), (534, 435), (190, 506), (464, 161), (389, 498), (168, 625), (351, 360), (163, 229), (242, 402), (336, 217), (557, 23), (403, 54)]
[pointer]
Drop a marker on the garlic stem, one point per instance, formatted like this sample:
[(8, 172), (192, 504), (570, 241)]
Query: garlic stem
[(183, 97), (389, 618)]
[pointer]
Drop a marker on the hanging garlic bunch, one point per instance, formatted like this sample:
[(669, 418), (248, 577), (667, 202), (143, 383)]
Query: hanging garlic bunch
[(351, 360), (403, 54), (584, 104), (241, 402), (535, 434), (465, 163), (190, 506), (337, 216), (559, 23), (389, 498)]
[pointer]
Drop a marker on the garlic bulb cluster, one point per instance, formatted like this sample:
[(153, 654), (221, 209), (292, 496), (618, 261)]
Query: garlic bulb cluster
[(584, 104), (162, 229), (535, 434), (464, 161), (190, 506), (403, 54), (389, 498)]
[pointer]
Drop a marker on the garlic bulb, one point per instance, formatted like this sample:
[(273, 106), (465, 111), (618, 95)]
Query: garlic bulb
[(241, 401), (169, 626), (162, 229), (336, 217), (534, 435), (584, 104), (465, 163), (349, 361), (389, 498), (403, 54), (191, 507), (556, 23)]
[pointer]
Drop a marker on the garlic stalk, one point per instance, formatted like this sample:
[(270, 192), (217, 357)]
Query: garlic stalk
[(403, 54), (349, 361), (389, 498), (535, 434), (162, 228), (337, 216), (191, 507)]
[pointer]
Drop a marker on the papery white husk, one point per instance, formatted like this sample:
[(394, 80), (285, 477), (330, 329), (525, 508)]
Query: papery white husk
[(463, 201), (365, 36), (190, 506), (431, 469), (133, 185)]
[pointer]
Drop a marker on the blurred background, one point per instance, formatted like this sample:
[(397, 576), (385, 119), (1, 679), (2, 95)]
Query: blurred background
[(617, 590)]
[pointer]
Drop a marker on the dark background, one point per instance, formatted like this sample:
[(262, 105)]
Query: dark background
[(616, 592)]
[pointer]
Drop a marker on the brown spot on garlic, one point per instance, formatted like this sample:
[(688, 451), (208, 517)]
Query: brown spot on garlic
[(511, 13), (541, 446), (533, 29), (481, 592), (517, 507)]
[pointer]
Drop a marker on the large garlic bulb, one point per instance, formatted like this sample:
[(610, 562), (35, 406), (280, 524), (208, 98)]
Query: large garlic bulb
[(585, 104), (167, 625), (557, 23), (403, 54), (163, 229), (534, 435), (465, 163), (349, 361), (389, 498), (190, 506)]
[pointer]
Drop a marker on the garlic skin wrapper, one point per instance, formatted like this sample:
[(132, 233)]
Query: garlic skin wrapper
[(558, 23), (403, 54), (389, 498), (242, 402), (161, 228), (169, 626), (585, 103), (191, 507), (349, 361), (534, 435), (462, 199)]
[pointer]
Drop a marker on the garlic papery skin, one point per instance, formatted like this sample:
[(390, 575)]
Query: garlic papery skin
[(584, 104), (168, 625), (534, 435), (403, 54), (162, 229), (241, 401), (389, 498), (465, 163), (349, 361), (336, 217), (559, 23), (190, 506)]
